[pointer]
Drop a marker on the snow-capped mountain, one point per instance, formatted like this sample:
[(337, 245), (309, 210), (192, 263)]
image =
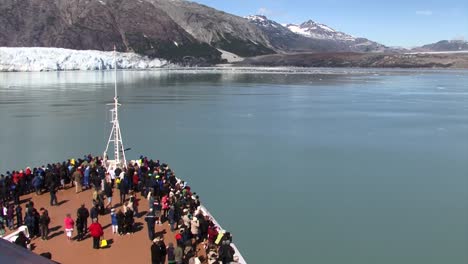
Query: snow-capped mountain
[(284, 40), (263, 21), (316, 30), (312, 36)]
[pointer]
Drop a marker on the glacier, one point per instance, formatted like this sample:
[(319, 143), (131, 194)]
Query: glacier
[(59, 59)]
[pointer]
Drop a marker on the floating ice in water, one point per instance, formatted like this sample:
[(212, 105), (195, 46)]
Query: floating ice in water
[(248, 115), (440, 88)]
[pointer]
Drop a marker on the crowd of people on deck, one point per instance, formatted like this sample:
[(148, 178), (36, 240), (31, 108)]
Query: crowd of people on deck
[(169, 200)]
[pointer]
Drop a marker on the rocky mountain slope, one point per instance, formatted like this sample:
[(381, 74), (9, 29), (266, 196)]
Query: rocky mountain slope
[(136, 26), (445, 45), (219, 29)]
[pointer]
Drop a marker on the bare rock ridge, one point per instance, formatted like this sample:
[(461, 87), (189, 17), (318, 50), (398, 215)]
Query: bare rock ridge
[(219, 29)]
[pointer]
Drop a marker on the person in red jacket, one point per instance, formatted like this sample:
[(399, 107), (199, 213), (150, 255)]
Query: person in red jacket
[(135, 180), (95, 230)]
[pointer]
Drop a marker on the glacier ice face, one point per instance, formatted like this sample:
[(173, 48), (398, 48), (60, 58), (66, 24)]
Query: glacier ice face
[(58, 59)]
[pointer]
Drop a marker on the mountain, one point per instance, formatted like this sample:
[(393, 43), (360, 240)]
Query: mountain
[(219, 29), (137, 26), (176, 30), (313, 37), (284, 40), (445, 45), (314, 30)]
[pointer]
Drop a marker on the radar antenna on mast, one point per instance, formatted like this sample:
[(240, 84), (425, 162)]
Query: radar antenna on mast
[(115, 136)]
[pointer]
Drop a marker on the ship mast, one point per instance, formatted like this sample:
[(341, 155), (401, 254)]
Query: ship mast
[(115, 136)]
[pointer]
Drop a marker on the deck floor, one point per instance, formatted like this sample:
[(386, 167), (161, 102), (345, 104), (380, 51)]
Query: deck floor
[(131, 248)]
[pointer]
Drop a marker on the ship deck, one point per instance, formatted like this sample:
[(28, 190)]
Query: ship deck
[(131, 248)]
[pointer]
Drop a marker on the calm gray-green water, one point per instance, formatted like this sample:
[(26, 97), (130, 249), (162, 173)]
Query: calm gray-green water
[(341, 167)]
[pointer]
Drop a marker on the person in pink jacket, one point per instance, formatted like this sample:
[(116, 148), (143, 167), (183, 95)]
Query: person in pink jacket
[(69, 224)]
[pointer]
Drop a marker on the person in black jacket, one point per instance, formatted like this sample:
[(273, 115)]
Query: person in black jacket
[(44, 221), (120, 222), (19, 216), (150, 219), (158, 251), (22, 240), (226, 252), (16, 192), (53, 192), (94, 212), (129, 221), (37, 216), (80, 227), (30, 221), (108, 192), (83, 214), (123, 188)]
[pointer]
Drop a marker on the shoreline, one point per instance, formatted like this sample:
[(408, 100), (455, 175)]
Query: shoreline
[(42, 59), (256, 69), (263, 69)]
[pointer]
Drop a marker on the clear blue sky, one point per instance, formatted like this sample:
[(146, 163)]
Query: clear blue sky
[(393, 22)]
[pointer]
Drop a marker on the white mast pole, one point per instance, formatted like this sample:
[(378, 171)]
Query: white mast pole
[(116, 113), (116, 136)]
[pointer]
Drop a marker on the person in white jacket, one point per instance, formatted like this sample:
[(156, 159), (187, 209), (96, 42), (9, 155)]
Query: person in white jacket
[(194, 227)]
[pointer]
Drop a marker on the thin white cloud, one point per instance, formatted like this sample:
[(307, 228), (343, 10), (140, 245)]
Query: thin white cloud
[(459, 38), (424, 12), (264, 11)]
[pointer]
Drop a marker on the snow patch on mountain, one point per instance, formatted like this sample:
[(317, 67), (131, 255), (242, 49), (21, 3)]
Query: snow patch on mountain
[(258, 18), (316, 30), (58, 59), (298, 30), (261, 20)]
